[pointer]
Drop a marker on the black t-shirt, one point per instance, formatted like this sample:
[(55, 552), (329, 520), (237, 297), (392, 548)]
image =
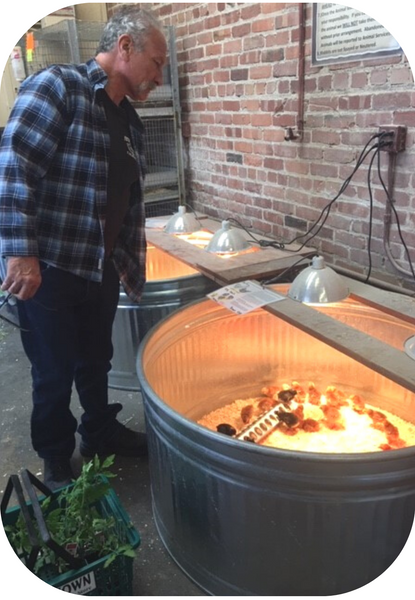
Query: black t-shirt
[(122, 172)]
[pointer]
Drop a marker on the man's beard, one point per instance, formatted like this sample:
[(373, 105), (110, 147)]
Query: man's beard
[(146, 86)]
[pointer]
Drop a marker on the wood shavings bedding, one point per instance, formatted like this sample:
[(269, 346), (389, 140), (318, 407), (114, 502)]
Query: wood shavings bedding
[(332, 421)]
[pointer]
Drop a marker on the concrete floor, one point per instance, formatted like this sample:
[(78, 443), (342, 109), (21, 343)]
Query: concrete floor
[(155, 573)]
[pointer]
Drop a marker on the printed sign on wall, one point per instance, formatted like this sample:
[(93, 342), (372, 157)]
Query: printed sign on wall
[(342, 33)]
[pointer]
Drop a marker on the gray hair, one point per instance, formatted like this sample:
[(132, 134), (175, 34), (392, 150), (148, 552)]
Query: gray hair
[(132, 20)]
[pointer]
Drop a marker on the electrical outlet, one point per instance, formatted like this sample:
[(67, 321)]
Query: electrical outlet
[(396, 136)]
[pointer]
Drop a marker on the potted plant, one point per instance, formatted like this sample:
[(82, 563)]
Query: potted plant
[(78, 538)]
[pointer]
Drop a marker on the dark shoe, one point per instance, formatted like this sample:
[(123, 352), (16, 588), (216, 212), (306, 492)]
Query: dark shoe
[(57, 473), (123, 442)]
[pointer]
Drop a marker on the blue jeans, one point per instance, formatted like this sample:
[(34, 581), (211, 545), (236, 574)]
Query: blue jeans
[(66, 335)]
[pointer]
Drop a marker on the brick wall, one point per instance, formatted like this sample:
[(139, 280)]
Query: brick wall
[(238, 67)]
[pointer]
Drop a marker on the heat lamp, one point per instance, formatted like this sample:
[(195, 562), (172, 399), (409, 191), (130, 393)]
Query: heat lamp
[(318, 284), (409, 347), (182, 222), (227, 240)]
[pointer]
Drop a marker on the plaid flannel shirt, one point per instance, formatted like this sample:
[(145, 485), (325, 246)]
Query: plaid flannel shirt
[(53, 177)]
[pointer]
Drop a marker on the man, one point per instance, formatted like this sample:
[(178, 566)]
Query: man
[(72, 227)]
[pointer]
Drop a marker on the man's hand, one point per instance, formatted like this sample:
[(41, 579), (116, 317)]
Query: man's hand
[(23, 276)]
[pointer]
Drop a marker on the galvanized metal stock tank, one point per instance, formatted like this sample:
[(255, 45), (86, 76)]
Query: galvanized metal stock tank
[(170, 285), (242, 519)]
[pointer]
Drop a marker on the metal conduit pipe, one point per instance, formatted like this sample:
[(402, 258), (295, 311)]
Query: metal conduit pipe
[(290, 135), (301, 67)]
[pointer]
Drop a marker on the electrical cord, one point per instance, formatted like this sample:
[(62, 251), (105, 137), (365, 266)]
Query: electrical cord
[(283, 245), (377, 154), (233, 220), (316, 227), (369, 185), (9, 301), (312, 232), (285, 271), (398, 226), (186, 205)]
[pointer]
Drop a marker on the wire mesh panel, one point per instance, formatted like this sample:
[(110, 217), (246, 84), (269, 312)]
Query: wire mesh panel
[(160, 152), (161, 117), (52, 45), (88, 36), (160, 207)]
